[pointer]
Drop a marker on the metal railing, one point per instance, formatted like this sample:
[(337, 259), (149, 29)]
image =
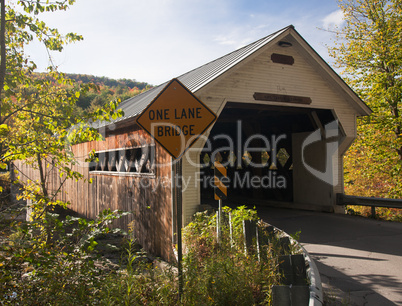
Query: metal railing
[(343, 199)]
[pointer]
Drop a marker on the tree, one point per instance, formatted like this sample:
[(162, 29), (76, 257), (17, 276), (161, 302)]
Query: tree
[(37, 119), (369, 50), (38, 124)]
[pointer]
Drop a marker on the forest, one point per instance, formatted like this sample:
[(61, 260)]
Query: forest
[(105, 90)]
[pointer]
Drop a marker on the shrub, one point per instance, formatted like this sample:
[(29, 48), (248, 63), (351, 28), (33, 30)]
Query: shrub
[(223, 273), (65, 272), (70, 271)]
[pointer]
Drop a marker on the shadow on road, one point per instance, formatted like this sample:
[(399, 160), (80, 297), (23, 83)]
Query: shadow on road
[(341, 289), (359, 259)]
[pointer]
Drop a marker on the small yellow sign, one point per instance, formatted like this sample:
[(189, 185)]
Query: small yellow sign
[(220, 176), (176, 118)]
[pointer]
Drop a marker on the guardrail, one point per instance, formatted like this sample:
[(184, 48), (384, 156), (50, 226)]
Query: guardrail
[(343, 199), (316, 296), (301, 282)]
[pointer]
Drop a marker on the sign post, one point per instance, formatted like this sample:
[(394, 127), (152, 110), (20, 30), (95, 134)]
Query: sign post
[(176, 118), (179, 209)]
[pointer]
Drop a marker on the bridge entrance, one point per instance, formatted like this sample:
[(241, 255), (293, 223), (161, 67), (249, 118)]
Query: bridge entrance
[(256, 144)]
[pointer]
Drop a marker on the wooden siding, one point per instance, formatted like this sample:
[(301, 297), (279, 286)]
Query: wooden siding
[(148, 197), (191, 175), (260, 74)]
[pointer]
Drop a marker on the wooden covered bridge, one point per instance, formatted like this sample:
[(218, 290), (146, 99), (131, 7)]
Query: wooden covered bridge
[(284, 121)]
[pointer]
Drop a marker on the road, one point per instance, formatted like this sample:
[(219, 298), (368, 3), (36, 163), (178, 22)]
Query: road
[(359, 259)]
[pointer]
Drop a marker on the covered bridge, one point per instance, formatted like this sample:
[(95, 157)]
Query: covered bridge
[(284, 121)]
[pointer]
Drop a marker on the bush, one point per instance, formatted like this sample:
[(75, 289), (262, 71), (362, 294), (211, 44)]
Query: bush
[(64, 272), (224, 274), (70, 271)]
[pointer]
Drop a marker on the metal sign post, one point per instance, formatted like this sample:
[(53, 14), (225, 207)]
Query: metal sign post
[(177, 185)]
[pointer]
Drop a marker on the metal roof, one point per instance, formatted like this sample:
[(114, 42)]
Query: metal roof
[(194, 79)]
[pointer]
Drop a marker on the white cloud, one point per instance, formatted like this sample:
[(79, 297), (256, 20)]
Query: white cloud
[(333, 19), (224, 40)]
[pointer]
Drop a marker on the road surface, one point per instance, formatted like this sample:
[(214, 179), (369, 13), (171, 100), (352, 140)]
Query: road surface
[(359, 259)]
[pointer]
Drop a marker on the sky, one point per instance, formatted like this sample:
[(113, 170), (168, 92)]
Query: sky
[(154, 41)]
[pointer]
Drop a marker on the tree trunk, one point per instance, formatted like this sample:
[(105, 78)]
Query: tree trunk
[(2, 59), (42, 176), (2, 51)]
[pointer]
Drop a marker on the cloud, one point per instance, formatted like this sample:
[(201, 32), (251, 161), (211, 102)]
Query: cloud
[(224, 40), (333, 19)]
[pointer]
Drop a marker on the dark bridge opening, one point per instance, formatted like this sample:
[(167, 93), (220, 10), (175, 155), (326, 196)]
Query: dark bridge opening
[(254, 143)]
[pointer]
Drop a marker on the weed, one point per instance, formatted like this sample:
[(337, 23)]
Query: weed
[(71, 271), (224, 274)]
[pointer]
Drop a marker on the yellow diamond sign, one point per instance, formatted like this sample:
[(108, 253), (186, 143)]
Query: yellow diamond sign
[(176, 118)]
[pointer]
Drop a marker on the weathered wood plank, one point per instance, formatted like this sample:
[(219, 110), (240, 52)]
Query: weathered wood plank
[(145, 196)]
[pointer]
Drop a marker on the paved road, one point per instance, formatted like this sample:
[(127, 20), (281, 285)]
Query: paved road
[(359, 259)]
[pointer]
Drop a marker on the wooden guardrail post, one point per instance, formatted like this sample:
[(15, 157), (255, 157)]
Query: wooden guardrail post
[(250, 233)]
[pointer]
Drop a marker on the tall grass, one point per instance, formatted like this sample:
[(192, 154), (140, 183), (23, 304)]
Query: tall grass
[(224, 273), (71, 272)]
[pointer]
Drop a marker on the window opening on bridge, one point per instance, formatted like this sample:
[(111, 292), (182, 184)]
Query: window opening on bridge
[(135, 160)]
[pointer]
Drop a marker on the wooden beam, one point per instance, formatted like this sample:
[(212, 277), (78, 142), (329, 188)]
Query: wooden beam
[(260, 96), (318, 123), (265, 107)]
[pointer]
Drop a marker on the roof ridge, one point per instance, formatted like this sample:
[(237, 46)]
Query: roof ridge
[(237, 50), (215, 60), (197, 77)]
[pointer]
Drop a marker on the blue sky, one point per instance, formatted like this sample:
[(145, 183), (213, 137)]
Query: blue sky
[(155, 40)]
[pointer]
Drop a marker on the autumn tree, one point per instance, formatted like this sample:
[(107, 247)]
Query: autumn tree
[(37, 120), (368, 48)]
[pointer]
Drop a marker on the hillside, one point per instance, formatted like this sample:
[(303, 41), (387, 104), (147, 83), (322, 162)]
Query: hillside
[(109, 89), (105, 81)]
